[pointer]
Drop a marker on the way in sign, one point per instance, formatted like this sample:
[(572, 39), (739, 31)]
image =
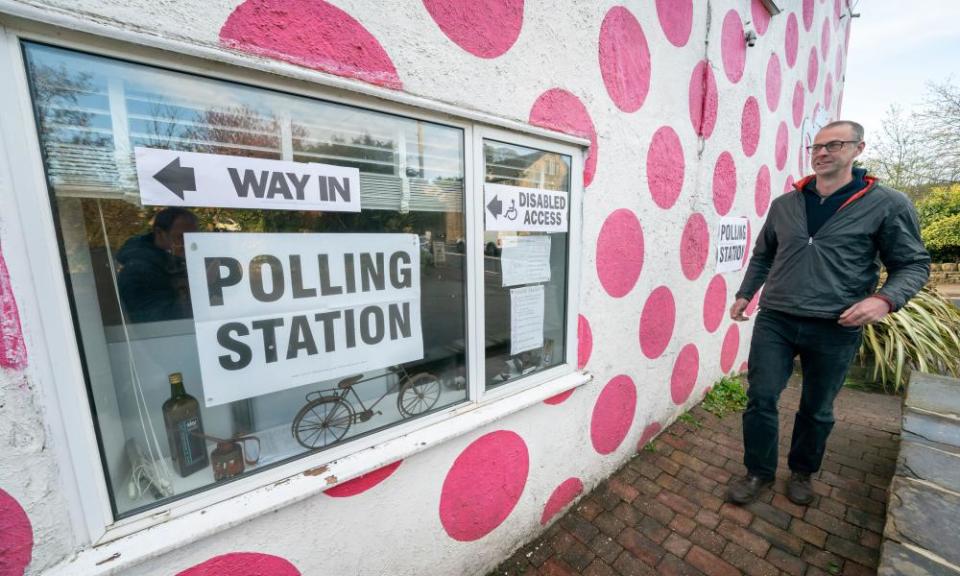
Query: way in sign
[(172, 178)]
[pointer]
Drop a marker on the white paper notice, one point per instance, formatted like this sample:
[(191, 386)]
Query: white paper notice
[(276, 311), (518, 209), (525, 259), (526, 319), (731, 244), (172, 178)]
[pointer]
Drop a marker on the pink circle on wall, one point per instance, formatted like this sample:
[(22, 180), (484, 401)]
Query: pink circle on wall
[(733, 46), (813, 69), (761, 16), (559, 398), (560, 110), (752, 305), (724, 183), (836, 11), (798, 96), (684, 375), (807, 14), (791, 40), (243, 564), (649, 433), (665, 167), (783, 142), (483, 485), (16, 537), (620, 252), (676, 20), (363, 483), (613, 414), (484, 28), (310, 33), (838, 67), (788, 186), (828, 91), (774, 82), (714, 303), (13, 351), (761, 191), (825, 39), (694, 246), (750, 126), (703, 99), (729, 348), (562, 495), (656, 322), (584, 341), (624, 59)]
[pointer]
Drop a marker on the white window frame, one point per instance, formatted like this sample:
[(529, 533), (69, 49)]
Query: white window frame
[(55, 352)]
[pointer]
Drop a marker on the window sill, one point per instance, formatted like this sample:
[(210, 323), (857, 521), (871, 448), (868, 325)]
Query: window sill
[(161, 536)]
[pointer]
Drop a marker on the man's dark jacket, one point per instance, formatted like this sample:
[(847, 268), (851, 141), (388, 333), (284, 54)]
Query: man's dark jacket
[(822, 275), (152, 282)]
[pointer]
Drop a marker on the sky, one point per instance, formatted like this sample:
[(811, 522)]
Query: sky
[(896, 48)]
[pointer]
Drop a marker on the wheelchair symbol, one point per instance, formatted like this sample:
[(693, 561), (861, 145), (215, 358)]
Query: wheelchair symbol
[(511, 213)]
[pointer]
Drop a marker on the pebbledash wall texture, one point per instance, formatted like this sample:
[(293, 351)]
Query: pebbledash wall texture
[(687, 124)]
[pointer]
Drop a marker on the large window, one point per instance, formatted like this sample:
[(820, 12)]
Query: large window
[(256, 276)]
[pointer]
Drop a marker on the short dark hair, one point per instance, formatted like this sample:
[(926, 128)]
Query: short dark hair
[(855, 126), (165, 218)]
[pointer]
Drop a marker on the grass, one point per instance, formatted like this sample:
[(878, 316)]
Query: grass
[(688, 418), (726, 396)]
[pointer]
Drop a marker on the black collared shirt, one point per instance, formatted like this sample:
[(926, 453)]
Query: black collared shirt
[(819, 210)]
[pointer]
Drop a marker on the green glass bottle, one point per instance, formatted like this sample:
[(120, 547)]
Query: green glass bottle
[(181, 415)]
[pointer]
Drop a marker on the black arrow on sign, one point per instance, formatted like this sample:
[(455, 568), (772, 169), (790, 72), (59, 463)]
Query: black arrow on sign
[(178, 179), (495, 207)]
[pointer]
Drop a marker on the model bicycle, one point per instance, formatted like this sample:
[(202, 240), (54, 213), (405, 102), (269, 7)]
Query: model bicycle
[(329, 413)]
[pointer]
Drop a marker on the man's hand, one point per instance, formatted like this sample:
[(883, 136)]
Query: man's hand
[(866, 311), (736, 311)]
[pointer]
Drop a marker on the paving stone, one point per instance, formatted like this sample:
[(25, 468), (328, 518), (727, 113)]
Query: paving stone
[(677, 545), (936, 463), (640, 546), (747, 561), (599, 568), (925, 517), (581, 528), (629, 565), (865, 520), (777, 537), (933, 393), (709, 563), (671, 565), (852, 550), (609, 524), (708, 539), (743, 537), (931, 427), (897, 560), (556, 567), (606, 548), (786, 562), (578, 557), (808, 532), (775, 516)]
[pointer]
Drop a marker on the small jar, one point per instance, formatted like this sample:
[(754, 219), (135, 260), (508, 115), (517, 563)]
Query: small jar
[(227, 460)]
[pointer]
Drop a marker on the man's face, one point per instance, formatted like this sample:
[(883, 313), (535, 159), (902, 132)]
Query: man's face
[(172, 240), (826, 163)]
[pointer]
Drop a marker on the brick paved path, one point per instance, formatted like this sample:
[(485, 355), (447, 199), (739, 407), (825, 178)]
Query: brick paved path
[(663, 512)]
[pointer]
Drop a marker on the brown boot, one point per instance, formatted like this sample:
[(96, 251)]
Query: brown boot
[(800, 489), (745, 490)]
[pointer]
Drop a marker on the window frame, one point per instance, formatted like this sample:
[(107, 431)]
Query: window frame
[(70, 413)]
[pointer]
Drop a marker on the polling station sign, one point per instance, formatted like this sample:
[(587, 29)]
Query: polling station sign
[(173, 178), (277, 311), (731, 244), (518, 209)]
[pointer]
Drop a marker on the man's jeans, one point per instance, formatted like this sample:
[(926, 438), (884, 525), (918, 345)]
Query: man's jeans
[(826, 350)]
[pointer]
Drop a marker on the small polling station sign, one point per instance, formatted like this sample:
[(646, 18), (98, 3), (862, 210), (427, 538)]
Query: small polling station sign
[(731, 244)]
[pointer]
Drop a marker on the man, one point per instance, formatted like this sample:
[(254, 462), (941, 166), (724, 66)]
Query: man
[(817, 258), (153, 276)]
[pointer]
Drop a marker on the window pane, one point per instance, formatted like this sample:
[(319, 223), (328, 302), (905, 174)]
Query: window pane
[(518, 296), (130, 286)]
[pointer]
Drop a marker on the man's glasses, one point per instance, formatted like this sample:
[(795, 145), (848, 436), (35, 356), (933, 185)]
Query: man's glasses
[(831, 146)]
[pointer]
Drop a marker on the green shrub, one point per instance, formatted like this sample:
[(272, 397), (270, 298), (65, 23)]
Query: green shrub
[(942, 239), (942, 202), (725, 396)]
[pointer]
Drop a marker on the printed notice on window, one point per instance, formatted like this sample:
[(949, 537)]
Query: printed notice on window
[(519, 209), (277, 311), (731, 244), (526, 319), (525, 259)]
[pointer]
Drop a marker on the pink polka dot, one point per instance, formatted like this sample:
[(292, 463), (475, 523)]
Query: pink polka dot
[(656, 322), (724, 183), (676, 20), (783, 142), (243, 564), (363, 483), (483, 485), (729, 349), (838, 67), (624, 59), (807, 14), (703, 99), (560, 110), (774, 82), (649, 433), (16, 537), (613, 414), (620, 252), (714, 303), (484, 28), (13, 351), (694, 246), (828, 91), (743, 367), (559, 398), (791, 42), (761, 16), (798, 96), (761, 191), (836, 11), (788, 185), (733, 46), (825, 39), (813, 69), (750, 126), (752, 305), (310, 33), (684, 376), (563, 495), (584, 341), (665, 167)]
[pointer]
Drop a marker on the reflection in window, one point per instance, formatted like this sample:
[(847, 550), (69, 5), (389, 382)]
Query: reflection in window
[(128, 284)]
